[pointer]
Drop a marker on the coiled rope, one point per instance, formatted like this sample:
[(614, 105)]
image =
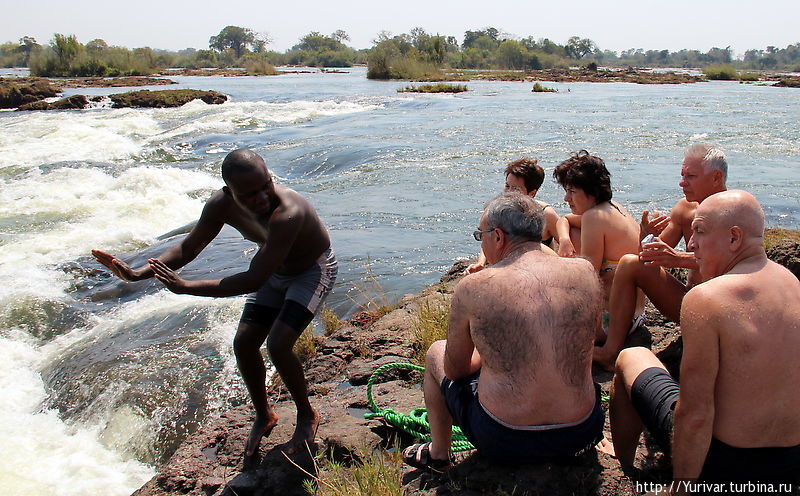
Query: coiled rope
[(416, 422)]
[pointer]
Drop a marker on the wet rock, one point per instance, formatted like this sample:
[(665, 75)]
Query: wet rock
[(165, 98), (69, 103), (19, 91), (211, 461)]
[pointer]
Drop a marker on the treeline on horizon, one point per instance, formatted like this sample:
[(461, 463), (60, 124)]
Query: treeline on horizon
[(409, 55)]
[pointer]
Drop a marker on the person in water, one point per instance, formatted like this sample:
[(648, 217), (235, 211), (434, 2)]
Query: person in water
[(526, 176), (703, 173), (289, 277), (515, 370), (734, 416), (598, 229)]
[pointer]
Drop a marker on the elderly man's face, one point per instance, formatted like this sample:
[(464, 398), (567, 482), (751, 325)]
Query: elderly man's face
[(710, 243), (697, 182)]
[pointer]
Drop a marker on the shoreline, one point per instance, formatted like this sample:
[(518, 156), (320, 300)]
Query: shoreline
[(210, 462)]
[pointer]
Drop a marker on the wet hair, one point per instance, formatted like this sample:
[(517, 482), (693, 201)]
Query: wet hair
[(586, 172), (517, 215), (529, 170), (710, 156), (241, 161)]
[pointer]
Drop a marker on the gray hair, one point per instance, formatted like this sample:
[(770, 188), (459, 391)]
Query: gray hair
[(517, 215), (710, 156)]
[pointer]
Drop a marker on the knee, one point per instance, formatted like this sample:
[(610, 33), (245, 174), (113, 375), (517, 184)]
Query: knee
[(435, 352), (279, 344), (633, 361)]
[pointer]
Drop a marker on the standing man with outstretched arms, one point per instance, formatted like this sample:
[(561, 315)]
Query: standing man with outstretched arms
[(288, 279)]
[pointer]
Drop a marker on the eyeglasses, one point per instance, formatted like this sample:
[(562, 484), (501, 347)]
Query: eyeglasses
[(478, 235)]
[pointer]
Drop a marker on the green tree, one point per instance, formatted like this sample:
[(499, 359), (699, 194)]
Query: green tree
[(511, 55), (234, 37), (66, 49), (580, 47)]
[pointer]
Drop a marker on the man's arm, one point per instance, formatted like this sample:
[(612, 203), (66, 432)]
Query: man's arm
[(694, 414), (281, 234), (176, 256), (460, 356)]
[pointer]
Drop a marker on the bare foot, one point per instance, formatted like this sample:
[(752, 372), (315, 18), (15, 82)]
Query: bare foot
[(606, 447), (304, 432), (604, 357), (262, 427)]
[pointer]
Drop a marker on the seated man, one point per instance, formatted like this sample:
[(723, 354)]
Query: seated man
[(736, 409), (599, 229), (526, 176), (515, 370), (703, 173)]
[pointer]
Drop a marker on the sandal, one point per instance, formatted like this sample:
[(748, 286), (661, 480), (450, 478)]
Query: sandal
[(419, 456)]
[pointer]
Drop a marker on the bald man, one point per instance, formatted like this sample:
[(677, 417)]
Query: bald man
[(288, 279), (738, 414), (703, 173)]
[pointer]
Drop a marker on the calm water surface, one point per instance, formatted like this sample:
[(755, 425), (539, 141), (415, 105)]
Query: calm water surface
[(102, 380)]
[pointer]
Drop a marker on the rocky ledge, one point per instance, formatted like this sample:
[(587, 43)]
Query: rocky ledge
[(165, 98), (212, 463)]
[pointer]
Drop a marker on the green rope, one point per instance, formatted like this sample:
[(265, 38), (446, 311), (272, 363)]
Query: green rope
[(416, 422)]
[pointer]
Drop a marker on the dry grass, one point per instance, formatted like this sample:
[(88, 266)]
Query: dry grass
[(306, 345), (377, 473), (330, 321), (774, 236), (430, 325), (371, 295)]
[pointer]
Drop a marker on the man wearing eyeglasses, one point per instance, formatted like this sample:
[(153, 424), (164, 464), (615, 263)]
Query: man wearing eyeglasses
[(515, 370)]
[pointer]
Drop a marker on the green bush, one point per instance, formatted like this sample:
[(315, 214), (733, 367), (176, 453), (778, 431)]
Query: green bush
[(538, 88), (748, 76), (721, 72), (434, 88)]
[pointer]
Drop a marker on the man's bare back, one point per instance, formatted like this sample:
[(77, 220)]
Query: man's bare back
[(755, 312), (523, 381)]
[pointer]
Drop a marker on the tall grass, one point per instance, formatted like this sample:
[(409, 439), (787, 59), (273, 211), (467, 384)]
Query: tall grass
[(371, 295), (377, 473), (429, 325)]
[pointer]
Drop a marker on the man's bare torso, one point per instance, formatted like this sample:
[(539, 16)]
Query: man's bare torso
[(535, 348), (757, 393), (312, 238)]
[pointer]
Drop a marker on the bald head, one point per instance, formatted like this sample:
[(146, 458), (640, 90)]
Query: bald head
[(734, 208), (241, 161)]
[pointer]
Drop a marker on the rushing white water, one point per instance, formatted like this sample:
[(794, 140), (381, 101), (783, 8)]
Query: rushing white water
[(102, 380), (103, 196)]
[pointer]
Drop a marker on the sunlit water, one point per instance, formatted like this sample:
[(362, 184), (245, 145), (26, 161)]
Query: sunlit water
[(101, 380)]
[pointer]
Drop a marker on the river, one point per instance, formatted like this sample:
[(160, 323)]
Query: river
[(102, 379)]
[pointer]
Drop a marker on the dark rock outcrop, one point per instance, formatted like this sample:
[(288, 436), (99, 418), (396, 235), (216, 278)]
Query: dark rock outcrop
[(165, 98), (19, 91), (71, 102), (787, 253)]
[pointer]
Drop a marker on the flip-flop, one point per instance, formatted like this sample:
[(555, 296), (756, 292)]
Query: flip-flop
[(419, 456)]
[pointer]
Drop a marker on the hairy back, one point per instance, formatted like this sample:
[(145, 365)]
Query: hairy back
[(534, 316)]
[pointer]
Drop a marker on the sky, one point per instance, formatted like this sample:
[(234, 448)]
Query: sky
[(613, 25)]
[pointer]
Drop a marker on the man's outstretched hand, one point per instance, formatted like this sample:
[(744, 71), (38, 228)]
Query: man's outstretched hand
[(167, 276), (116, 266), (654, 226)]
